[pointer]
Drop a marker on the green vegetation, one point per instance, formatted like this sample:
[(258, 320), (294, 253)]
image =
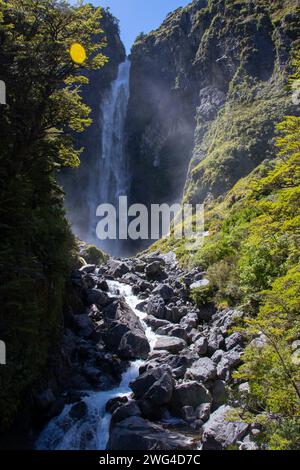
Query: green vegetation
[(44, 109), (252, 260)]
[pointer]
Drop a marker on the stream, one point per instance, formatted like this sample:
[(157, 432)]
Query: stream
[(92, 431)]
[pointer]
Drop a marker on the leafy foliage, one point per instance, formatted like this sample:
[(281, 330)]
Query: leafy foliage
[(44, 109)]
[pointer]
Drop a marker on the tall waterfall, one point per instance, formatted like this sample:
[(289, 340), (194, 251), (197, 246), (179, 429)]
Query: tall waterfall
[(112, 175)]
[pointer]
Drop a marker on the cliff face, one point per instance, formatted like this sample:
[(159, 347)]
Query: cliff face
[(79, 183), (206, 90)]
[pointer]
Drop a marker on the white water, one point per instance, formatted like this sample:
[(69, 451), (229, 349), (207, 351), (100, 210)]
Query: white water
[(112, 171), (92, 431)]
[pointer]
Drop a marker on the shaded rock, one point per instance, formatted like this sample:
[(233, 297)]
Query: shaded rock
[(117, 268), (155, 385), (203, 412), (229, 360), (173, 330), (136, 433), (201, 345), (188, 394), (78, 411), (97, 297), (155, 323), (156, 307), (236, 339), (123, 331), (115, 403), (154, 270), (219, 433), (219, 394), (82, 325), (169, 343), (164, 290), (125, 411)]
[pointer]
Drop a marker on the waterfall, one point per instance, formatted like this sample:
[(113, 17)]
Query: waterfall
[(112, 177)]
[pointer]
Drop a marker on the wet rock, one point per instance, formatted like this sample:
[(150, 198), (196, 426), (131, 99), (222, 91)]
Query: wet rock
[(203, 370), (115, 403), (102, 284), (219, 433), (171, 344), (125, 411), (136, 433), (188, 394)]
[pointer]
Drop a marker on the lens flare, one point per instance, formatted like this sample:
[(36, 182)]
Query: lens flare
[(77, 53)]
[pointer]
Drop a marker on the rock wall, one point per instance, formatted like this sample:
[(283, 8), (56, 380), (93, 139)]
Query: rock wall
[(206, 90)]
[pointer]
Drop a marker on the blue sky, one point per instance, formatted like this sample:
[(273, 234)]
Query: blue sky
[(138, 16)]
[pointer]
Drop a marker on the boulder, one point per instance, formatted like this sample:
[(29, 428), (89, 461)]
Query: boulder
[(155, 385), (236, 339), (219, 394), (154, 322), (215, 341), (123, 332), (136, 433), (202, 370), (220, 432), (201, 345), (164, 290), (229, 360), (97, 297), (125, 411), (170, 343), (156, 307), (188, 394), (203, 412), (117, 269), (154, 270), (173, 330)]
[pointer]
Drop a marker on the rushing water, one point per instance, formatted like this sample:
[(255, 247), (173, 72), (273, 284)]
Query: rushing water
[(92, 431), (112, 170)]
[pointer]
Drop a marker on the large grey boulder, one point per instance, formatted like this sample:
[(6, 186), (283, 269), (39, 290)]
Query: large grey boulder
[(117, 268), (188, 394), (155, 385), (154, 270), (125, 411), (220, 431), (202, 370), (136, 433), (170, 343), (164, 290), (123, 332)]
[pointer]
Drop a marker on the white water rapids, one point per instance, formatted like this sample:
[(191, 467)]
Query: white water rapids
[(92, 431)]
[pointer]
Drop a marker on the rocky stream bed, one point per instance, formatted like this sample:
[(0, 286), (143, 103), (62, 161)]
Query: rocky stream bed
[(148, 370)]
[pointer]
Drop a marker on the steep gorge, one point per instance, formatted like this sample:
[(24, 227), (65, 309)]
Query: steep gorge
[(206, 89)]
